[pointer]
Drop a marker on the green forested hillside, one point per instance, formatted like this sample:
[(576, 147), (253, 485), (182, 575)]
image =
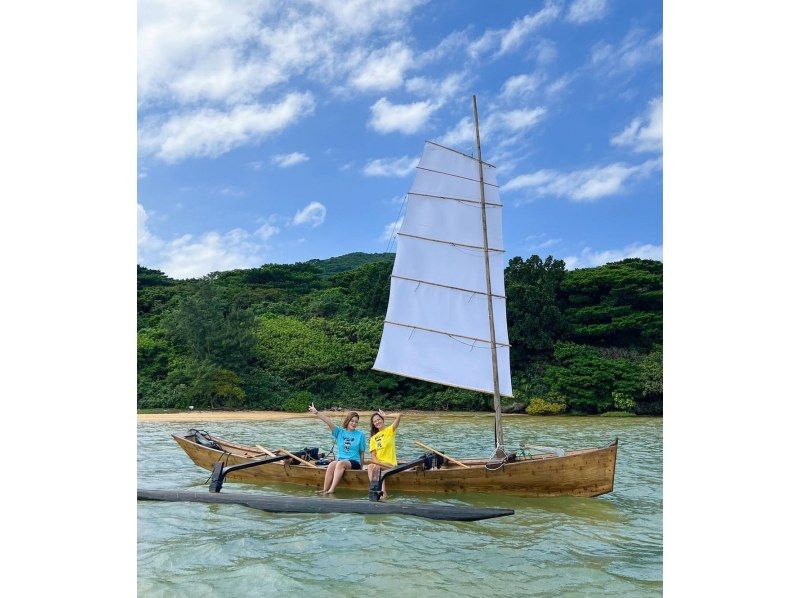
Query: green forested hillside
[(280, 336)]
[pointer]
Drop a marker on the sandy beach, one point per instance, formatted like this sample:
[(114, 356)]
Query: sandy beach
[(203, 416)]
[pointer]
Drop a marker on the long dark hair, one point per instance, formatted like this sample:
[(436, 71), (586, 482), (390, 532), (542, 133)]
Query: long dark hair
[(373, 429), (348, 417)]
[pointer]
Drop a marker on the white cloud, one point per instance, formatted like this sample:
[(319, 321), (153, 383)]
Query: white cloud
[(534, 242), (583, 11), (404, 118), (558, 85), (145, 240), (266, 231), (505, 125), (232, 50), (313, 215), (586, 185), (390, 230), (451, 44), (514, 120), (398, 167), (634, 51), (520, 86), (589, 258), (285, 160), (189, 256), (383, 69), (506, 40), (643, 134), (440, 88), (522, 28), (210, 132), (461, 133), (546, 52)]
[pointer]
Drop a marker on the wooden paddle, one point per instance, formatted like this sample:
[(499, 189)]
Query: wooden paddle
[(265, 451), (427, 448), (303, 461)]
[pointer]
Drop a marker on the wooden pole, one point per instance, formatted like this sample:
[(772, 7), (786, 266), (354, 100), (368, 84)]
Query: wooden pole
[(303, 461), (433, 450), (265, 451), (498, 428)]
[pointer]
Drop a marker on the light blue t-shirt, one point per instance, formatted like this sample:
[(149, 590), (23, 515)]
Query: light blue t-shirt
[(349, 445)]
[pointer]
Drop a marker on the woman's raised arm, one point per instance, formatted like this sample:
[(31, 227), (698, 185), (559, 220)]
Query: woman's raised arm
[(322, 416), (396, 421)]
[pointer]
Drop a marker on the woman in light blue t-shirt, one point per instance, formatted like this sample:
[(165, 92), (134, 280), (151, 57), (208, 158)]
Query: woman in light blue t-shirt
[(351, 444)]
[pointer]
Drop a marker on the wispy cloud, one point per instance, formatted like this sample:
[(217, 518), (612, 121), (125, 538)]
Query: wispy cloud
[(503, 41), (286, 160), (585, 185), (233, 50), (540, 241), (190, 256), (644, 133), (210, 133), (520, 86), (635, 50), (398, 167), (266, 231), (589, 258), (442, 89), (383, 69), (505, 124), (402, 118), (313, 215), (584, 11), (390, 230)]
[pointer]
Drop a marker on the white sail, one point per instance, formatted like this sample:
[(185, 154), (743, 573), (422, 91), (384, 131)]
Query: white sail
[(437, 325)]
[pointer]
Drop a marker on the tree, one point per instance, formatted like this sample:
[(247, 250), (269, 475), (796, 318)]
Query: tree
[(617, 304), (588, 380), (535, 322), (205, 385), (208, 329)]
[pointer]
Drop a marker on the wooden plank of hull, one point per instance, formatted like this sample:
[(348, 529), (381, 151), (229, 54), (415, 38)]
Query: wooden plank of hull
[(299, 504), (586, 472)]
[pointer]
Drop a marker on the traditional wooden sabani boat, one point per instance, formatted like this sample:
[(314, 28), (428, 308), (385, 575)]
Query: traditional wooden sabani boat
[(446, 323), (583, 472)]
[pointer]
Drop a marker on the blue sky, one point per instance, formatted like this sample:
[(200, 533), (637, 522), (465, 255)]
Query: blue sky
[(284, 131)]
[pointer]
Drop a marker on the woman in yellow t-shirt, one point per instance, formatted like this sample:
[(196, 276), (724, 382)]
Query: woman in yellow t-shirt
[(381, 446)]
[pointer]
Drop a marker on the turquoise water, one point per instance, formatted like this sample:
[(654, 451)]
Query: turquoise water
[(610, 545)]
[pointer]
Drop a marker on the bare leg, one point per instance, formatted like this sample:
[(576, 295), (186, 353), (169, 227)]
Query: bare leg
[(341, 467), (329, 476), (374, 472)]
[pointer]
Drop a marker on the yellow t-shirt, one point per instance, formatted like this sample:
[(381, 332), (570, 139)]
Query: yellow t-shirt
[(383, 445)]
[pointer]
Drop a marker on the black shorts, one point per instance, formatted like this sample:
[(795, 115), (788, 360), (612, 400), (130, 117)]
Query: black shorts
[(355, 464)]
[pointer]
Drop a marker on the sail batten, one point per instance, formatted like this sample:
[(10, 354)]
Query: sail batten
[(457, 175), (445, 332), (446, 286), (450, 149), (449, 242), (436, 325), (459, 199)]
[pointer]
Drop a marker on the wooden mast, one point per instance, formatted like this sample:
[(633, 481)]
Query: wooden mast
[(498, 428)]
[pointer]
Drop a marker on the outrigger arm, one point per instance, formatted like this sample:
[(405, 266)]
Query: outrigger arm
[(220, 471), (428, 461)]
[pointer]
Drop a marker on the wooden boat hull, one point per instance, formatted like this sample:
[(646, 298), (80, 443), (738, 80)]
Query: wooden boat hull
[(583, 472)]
